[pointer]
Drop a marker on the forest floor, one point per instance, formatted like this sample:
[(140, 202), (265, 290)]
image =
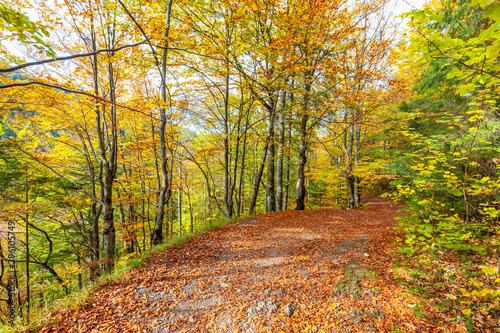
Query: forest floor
[(323, 270)]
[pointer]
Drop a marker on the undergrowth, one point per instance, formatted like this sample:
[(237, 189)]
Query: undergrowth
[(459, 286)]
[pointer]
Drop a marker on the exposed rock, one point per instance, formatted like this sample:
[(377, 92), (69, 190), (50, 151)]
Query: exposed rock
[(262, 306), (289, 309)]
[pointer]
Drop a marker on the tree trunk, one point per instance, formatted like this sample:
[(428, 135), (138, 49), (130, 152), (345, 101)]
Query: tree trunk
[(357, 150), (281, 141), (109, 227), (349, 146), (242, 169), (258, 177), (228, 193), (27, 216), (301, 178), (191, 217), (109, 177), (286, 194), (270, 194), (96, 212), (179, 217), (163, 197)]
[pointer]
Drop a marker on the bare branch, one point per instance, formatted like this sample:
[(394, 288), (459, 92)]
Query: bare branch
[(82, 55)]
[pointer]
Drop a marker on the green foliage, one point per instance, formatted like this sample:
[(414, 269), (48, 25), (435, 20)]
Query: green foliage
[(448, 166), (26, 31)]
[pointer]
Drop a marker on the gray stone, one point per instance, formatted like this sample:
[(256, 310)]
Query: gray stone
[(289, 309)]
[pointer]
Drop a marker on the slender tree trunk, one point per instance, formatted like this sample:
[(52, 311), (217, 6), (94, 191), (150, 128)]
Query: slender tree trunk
[(357, 151), (179, 217), (286, 191), (79, 263), (349, 177), (270, 181), (281, 141), (204, 207), (96, 212), (167, 219), (301, 178), (27, 252), (242, 169), (110, 168), (258, 177), (163, 197), (190, 206), (228, 195)]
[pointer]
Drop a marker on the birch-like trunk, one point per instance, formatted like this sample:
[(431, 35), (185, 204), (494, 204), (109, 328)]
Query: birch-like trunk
[(270, 179), (281, 144), (96, 211), (301, 177), (164, 195), (228, 189)]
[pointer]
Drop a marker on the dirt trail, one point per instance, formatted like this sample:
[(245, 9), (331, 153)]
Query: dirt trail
[(296, 271)]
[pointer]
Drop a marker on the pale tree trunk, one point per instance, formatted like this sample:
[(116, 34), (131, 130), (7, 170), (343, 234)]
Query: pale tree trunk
[(287, 166), (270, 194), (242, 170), (110, 136), (179, 201), (109, 177), (349, 177), (164, 195), (357, 150), (228, 193), (301, 177), (96, 211), (190, 205), (204, 206), (281, 142)]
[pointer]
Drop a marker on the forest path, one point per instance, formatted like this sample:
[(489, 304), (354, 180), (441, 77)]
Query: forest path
[(324, 270)]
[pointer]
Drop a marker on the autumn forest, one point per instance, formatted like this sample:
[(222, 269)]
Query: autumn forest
[(131, 128)]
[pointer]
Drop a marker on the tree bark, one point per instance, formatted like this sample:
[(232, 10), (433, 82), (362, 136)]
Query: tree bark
[(163, 197), (258, 177), (348, 174), (179, 192), (228, 193), (96, 212), (357, 151), (270, 181), (301, 177), (286, 193), (281, 142)]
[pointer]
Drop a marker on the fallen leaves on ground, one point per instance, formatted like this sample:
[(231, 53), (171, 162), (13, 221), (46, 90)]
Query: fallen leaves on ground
[(325, 270)]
